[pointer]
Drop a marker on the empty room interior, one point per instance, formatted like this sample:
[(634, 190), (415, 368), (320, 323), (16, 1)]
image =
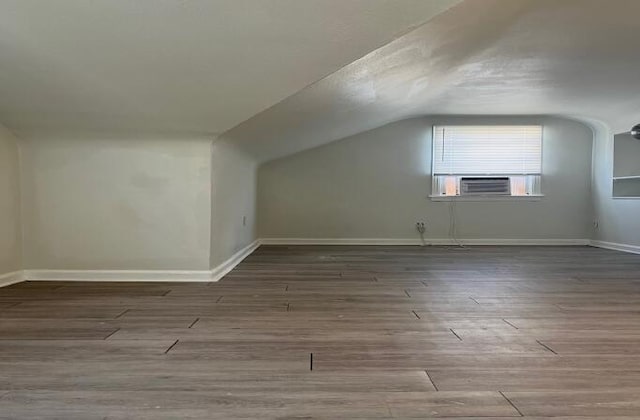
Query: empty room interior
[(320, 209)]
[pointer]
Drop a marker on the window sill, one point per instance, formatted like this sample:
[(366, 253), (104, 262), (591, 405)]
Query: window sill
[(625, 198), (536, 197)]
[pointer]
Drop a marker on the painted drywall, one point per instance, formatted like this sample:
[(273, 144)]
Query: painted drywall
[(375, 185), (618, 218), (109, 202), (10, 224), (626, 158), (233, 209), (626, 164)]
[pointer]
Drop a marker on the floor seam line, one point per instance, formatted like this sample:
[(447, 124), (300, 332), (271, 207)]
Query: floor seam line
[(123, 312), (507, 322), (170, 347), (117, 329), (454, 333), (511, 403), (546, 347), (431, 380)]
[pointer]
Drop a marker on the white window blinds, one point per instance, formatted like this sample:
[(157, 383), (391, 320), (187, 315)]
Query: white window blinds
[(487, 150)]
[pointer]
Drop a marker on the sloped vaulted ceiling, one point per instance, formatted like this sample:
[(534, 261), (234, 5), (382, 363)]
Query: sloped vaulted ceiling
[(179, 65), (280, 76), (578, 58)]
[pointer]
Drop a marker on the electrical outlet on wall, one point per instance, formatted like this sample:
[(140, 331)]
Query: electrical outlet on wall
[(421, 227), (596, 224)]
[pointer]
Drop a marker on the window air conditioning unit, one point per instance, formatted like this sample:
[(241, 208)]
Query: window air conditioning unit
[(485, 186)]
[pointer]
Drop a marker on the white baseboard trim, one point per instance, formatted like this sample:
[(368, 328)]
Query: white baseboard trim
[(118, 275), (428, 241), (141, 275), (633, 249), (11, 278), (337, 241), (222, 269)]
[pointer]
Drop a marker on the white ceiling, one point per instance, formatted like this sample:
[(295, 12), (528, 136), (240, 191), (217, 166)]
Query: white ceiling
[(578, 58), (179, 65), (248, 67)]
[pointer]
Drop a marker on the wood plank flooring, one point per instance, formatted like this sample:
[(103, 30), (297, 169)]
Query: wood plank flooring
[(332, 332)]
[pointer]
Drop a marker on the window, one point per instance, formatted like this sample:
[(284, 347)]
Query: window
[(504, 160)]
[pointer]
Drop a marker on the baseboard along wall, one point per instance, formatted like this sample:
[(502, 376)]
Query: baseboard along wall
[(212, 275), (633, 249), (11, 278), (427, 241), (222, 269)]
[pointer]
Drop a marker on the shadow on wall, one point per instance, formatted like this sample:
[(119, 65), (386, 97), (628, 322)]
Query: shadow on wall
[(233, 201), (617, 219), (10, 218)]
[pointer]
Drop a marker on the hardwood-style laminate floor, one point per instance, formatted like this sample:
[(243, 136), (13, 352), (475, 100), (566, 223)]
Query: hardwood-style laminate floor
[(336, 332)]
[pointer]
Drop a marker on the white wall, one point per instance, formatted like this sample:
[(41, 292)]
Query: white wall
[(233, 209), (10, 226), (626, 155), (626, 163), (375, 185), (618, 219), (116, 202), (124, 203)]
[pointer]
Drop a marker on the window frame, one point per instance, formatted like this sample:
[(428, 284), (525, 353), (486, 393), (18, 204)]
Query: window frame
[(435, 196)]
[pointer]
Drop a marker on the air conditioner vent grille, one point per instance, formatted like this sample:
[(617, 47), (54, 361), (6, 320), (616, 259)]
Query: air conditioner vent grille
[(485, 186)]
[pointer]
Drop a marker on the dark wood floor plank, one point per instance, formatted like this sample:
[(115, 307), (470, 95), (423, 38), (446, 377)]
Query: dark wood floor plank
[(523, 379), (605, 403), (28, 350), (24, 331), (193, 404), (395, 332), (450, 404), (156, 374)]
